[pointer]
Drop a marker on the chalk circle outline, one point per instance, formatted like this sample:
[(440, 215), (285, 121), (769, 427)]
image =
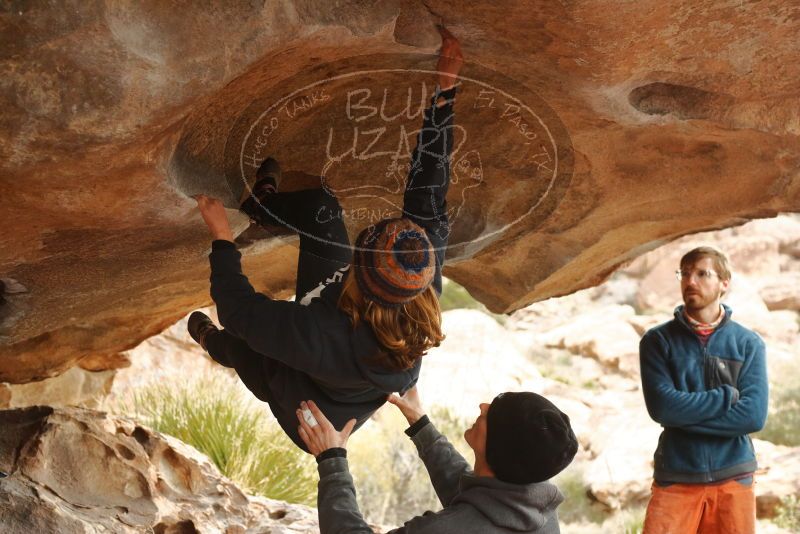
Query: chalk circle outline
[(542, 197)]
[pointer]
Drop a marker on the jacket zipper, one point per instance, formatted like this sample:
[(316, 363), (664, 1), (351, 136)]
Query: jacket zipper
[(706, 371)]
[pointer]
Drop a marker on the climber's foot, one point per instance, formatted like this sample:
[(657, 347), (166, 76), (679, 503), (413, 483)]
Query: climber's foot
[(267, 179), (200, 325)]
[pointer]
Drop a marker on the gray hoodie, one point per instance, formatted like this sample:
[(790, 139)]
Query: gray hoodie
[(471, 504)]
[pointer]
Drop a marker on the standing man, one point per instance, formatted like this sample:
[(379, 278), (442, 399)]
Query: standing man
[(520, 441), (704, 379)]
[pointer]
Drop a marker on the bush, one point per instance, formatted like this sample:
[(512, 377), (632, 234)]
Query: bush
[(580, 513), (249, 447), (788, 515), (456, 297), (557, 365), (632, 521), (783, 423), (391, 481), (577, 507)]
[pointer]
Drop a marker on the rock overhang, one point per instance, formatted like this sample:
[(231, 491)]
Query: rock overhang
[(669, 133)]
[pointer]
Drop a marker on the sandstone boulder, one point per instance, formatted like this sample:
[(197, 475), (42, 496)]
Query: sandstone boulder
[(604, 334), (643, 323), (78, 471), (659, 291), (781, 326), (478, 360), (778, 475), (76, 387), (621, 445), (748, 307), (784, 229), (781, 291), (581, 152), (753, 256)]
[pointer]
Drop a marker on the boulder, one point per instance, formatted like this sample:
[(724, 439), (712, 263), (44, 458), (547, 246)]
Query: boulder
[(603, 334), (781, 326), (76, 387), (747, 305), (752, 256), (551, 313), (80, 471), (481, 358), (778, 476), (659, 291), (621, 445), (781, 291), (784, 229), (576, 154), (643, 323)]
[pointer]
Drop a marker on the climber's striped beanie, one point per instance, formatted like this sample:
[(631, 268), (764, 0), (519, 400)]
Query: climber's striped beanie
[(393, 261)]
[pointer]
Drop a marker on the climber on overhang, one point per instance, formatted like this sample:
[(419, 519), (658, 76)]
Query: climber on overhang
[(361, 320)]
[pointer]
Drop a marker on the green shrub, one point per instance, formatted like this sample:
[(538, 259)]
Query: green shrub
[(577, 507), (581, 513), (456, 297), (391, 481), (557, 365), (788, 515), (214, 416), (632, 521), (783, 422)]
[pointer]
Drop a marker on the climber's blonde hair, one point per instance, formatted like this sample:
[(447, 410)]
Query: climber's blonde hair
[(406, 332)]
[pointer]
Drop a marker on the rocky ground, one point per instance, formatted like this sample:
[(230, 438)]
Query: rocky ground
[(98, 473)]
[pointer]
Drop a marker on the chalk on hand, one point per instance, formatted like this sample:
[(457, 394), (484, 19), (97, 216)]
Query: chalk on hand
[(309, 417)]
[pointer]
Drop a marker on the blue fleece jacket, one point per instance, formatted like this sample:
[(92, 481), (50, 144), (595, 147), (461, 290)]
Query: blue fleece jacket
[(707, 398)]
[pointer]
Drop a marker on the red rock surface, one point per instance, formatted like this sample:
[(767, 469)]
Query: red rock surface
[(664, 119)]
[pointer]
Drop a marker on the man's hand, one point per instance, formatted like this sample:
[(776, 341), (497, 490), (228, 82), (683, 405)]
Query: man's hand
[(214, 215), (409, 405), (318, 433), (450, 59)]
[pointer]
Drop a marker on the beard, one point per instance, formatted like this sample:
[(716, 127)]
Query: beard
[(697, 300)]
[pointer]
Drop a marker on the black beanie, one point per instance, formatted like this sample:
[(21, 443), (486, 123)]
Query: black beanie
[(528, 439)]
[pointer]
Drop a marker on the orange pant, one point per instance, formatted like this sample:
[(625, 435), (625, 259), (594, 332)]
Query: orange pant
[(728, 508)]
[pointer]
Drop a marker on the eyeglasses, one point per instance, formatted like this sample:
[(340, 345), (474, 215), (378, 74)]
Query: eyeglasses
[(702, 274)]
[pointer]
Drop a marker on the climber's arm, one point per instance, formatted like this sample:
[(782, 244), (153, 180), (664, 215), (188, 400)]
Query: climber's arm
[(214, 215)]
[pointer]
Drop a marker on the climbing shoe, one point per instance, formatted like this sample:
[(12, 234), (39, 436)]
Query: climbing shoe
[(200, 326), (267, 179)]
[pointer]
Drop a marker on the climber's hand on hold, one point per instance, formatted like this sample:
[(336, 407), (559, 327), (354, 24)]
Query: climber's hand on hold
[(317, 432), (214, 215), (450, 59)]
